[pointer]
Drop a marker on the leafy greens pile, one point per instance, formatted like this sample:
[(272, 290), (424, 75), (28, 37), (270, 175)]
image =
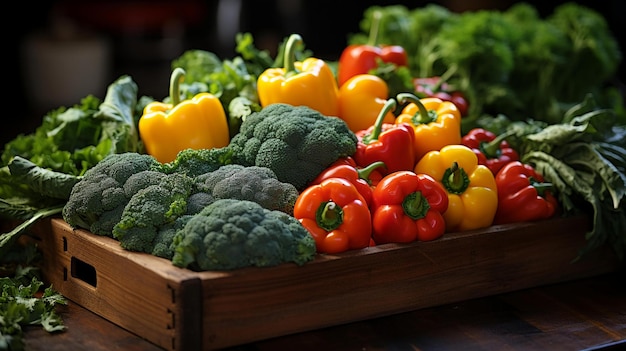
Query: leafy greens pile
[(25, 302), (509, 62), (37, 172)]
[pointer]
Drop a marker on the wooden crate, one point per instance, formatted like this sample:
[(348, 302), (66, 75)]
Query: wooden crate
[(179, 309)]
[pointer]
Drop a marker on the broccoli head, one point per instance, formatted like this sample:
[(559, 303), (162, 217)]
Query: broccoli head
[(296, 142), (194, 162), (150, 209), (163, 241), (253, 183), (97, 201), (230, 234)]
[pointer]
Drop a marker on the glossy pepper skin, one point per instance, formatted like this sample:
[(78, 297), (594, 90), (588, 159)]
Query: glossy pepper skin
[(374, 176), (360, 59), (336, 215), (438, 88), (407, 207), (360, 100), (523, 195), (360, 177), (436, 123), (308, 83), (389, 143), (198, 123), (492, 151), (471, 188)]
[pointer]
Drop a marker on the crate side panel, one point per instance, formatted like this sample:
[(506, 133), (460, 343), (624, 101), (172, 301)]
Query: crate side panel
[(255, 304), (138, 292)]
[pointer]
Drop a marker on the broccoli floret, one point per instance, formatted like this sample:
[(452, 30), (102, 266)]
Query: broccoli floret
[(197, 201), (296, 142), (141, 180), (150, 209), (230, 234), (163, 242), (258, 184), (194, 162), (97, 201)]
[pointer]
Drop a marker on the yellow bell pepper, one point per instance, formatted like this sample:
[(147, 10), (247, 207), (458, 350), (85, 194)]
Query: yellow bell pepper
[(308, 83), (198, 123), (361, 98), (437, 123), (471, 188)]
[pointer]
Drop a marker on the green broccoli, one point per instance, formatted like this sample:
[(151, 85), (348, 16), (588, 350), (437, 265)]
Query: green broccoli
[(230, 234), (296, 142), (258, 184), (150, 209), (97, 201), (194, 162), (163, 241), (197, 201)]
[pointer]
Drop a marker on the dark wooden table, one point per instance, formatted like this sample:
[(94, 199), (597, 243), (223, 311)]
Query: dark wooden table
[(586, 314)]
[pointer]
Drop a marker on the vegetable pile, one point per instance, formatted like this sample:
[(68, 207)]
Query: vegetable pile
[(430, 122)]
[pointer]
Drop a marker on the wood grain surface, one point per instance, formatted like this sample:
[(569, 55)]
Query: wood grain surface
[(585, 314)]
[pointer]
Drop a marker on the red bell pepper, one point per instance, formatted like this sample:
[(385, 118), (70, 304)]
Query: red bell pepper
[(336, 216), (493, 152), (523, 195), (437, 87), (406, 207), (390, 143), (360, 59), (347, 169), (374, 177)]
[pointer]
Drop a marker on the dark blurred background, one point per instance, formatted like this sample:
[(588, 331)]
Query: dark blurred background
[(60, 51)]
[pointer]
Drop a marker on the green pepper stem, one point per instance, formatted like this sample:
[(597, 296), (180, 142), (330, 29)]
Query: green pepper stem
[(491, 148), (455, 179), (390, 105), (374, 29), (364, 173), (415, 205), (540, 187), (422, 117), (329, 216), (290, 54), (178, 76)]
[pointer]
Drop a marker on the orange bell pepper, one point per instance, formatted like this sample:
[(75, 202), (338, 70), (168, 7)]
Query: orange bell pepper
[(308, 83), (436, 123), (360, 100), (336, 215), (198, 123)]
